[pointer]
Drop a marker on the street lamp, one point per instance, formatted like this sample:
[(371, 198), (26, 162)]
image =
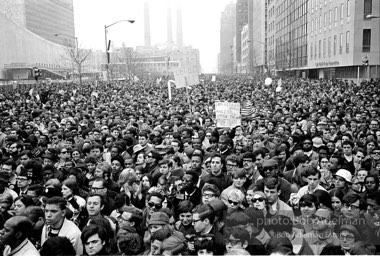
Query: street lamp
[(371, 16), (108, 45), (73, 37)]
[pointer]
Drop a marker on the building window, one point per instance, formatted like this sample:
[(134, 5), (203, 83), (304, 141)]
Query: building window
[(320, 23), (316, 25), (325, 21), (367, 7), (335, 15), (341, 43), (347, 41), (315, 50), (341, 13), (319, 49), (366, 40), (335, 45), (330, 18), (311, 50), (312, 27), (348, 10), (329, 47), (324, 48)]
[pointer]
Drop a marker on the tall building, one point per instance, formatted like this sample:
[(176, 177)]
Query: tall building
[(291, 34), (341, 36), (241, 21), (44, 18), (270, 37), (257, 38), (29, 38), (227, 33)]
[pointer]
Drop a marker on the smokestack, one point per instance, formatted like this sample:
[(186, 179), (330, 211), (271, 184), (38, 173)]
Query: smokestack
[(169, 25), (146, 25), (179, 25)]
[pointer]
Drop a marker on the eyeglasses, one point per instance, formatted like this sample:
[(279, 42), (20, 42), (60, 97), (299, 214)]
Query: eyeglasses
[(319, 218), (370, 182), (260, 199), (96, 189), (152, 204), (64, 152), (351, 206), (348, 238), (376, 153), (149, 156), (195, 221), (307, 143), (208, 195), (231, 241), (233, 202)]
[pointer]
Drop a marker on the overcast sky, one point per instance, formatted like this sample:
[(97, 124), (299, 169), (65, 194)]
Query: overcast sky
[(200, 18)]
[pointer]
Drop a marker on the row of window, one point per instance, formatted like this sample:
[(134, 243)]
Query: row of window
[(330, 46), (318, 23)]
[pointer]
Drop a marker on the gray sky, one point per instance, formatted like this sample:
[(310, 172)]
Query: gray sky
[(200, 18)]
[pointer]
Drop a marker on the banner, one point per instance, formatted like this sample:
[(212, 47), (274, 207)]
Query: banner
[(227, 114)]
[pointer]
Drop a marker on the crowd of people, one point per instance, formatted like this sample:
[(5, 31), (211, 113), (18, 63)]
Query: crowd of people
[(119, 169)]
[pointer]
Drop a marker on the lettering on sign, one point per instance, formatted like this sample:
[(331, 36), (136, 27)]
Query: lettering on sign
[(327, 63), (227, 114)]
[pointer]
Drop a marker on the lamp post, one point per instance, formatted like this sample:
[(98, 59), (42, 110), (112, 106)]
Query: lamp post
[(73, 37), (371, 16), (108, 45)]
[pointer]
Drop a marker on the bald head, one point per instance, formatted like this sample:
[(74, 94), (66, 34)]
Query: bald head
[(20, 224)]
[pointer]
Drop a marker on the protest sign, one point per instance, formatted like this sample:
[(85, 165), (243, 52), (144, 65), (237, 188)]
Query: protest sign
[(227, 114)]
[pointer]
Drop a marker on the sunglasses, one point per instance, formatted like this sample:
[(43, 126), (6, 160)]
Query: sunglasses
[(268, 169), (304, 204), (233, 202), (260, 199), (157, 206)]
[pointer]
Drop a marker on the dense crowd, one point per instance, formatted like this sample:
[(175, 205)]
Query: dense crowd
[(119, 169)]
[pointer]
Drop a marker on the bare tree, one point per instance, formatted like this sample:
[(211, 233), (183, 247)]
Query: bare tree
[(76, 59), (128, 57)]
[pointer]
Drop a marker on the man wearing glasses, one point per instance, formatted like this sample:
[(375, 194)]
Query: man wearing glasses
[(307, 147), (349, 237), (353, 213), (322, 233), (203, 219)]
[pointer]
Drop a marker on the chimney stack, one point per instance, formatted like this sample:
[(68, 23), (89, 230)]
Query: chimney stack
[(147, 25), (179, 25), (169, 25)]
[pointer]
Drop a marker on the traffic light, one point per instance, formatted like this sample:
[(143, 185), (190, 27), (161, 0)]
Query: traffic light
[(365, 62), (36, 73), (108, 52)]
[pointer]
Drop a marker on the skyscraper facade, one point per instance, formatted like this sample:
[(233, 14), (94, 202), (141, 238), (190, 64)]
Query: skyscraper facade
[(227, 34), (44, 18)]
